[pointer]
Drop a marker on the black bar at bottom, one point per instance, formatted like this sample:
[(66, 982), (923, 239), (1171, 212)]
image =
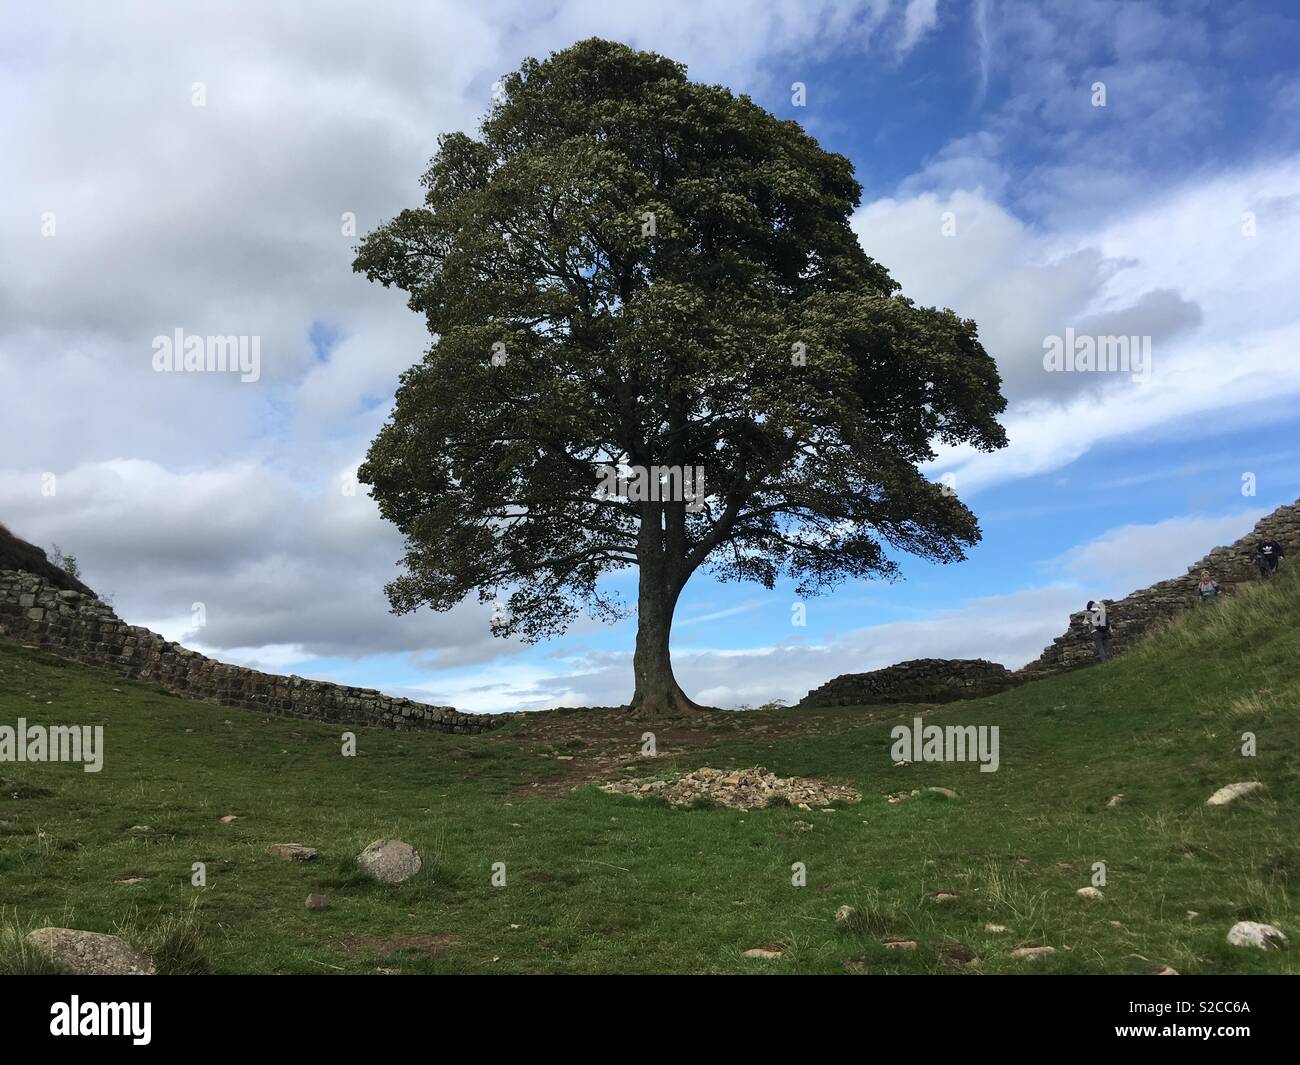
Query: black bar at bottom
[(341, 1013)]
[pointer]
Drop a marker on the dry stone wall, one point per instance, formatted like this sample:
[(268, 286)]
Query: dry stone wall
[(75, 625), (923, 680), (1132, 616)]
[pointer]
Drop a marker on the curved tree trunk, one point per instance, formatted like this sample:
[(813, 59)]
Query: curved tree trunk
[(657, 691)]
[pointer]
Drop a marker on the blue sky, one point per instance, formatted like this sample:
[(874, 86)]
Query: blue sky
[(231, 218)]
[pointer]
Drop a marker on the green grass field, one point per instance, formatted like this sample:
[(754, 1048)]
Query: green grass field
[(604, 883)]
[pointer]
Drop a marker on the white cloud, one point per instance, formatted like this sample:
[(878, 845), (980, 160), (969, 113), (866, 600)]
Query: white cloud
[(919, 18), (1218, 305), (983, 34)]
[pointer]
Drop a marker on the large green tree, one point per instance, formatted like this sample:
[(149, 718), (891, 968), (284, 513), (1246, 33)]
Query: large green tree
[(626, 267)]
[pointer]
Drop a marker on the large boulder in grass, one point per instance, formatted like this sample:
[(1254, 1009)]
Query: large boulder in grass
[(390, 861), (90, 953), (1255, 934)]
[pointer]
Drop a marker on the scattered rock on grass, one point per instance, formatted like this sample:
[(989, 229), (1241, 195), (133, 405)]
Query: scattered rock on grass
[(90, 953), (740, 789), (1092, 894), (390, 861), (1232, 792), (1254, 934), (293, 852)]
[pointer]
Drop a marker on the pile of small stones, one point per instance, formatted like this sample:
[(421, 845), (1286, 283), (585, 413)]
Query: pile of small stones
[(740, 789)]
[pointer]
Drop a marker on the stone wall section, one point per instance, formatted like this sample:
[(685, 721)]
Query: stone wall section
[(1131, 617), (922, 680), (75, 625)]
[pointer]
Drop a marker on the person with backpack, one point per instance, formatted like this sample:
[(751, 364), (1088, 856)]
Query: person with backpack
[(1208, 588), (1268, 553), (1100, 625)]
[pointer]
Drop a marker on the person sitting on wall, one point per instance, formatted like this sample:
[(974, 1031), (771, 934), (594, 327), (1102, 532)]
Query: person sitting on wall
[(1098, 622), (1268, 553), (1208, 588)]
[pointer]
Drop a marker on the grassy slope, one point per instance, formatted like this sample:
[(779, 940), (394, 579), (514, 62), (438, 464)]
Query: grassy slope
[(603, 883)]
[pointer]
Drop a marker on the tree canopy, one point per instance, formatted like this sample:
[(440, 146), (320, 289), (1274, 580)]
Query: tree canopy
[(629, 268)]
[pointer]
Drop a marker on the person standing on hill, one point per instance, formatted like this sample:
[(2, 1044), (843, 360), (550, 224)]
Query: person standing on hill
[(1208, 588), (1098, 622), (1268, 553)]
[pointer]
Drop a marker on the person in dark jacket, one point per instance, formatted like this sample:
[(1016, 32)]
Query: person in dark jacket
[(1268, 553), (1100, 625)]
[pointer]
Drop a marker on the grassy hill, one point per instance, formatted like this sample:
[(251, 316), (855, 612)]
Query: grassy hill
[(601, 883), (16, 553)]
